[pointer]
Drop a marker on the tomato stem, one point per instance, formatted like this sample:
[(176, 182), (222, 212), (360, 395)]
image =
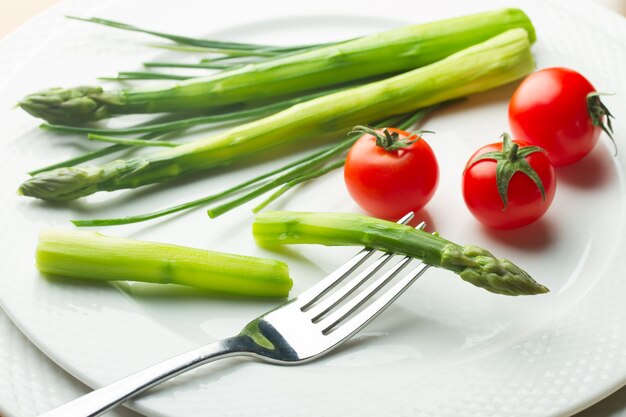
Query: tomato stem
[(510, 160), (512, 151), (389, 141), (600, 115)]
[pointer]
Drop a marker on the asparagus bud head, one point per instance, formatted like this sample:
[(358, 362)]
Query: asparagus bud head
[(68, 105), (480, 268), (62, 183)]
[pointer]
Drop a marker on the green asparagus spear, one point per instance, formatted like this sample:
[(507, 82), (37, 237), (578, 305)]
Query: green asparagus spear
[(472, 263), (495, 62), (91, 255), (154, 129), (389, 52)]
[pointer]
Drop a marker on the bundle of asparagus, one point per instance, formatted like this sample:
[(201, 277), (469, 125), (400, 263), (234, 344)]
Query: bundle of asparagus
[(499, 60), (380, 54)]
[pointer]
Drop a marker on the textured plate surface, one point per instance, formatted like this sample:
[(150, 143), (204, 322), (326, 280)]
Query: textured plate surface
[(445, 348)]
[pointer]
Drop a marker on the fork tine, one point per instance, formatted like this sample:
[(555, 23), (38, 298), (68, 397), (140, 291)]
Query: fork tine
[(354, 283), (342, 312), (335, 298), (370, 312), (307, 298)]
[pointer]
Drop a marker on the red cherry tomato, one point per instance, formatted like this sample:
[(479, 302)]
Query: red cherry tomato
[(558, 110), (518, 203), (388, 183)]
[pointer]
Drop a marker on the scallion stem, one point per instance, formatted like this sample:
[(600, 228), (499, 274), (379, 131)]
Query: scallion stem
[(139, 75), (203, 65), (132, 142), (89, 156), (230, 53), (289, 185), (207, 43)]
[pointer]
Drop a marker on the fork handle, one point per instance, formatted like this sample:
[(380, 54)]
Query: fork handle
[(101, 400)]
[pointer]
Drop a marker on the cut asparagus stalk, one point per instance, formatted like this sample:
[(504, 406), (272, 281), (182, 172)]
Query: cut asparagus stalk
[(472, 263), (91, 255), (495, 62), (389, 52)]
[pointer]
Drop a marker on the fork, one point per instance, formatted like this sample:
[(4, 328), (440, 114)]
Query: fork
[(301, 330)]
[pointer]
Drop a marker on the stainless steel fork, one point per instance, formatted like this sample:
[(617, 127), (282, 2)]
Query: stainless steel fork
[(296, 332)]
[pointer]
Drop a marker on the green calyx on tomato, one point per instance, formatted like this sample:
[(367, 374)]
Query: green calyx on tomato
[(512, 159), (598, 112), (389, 141)]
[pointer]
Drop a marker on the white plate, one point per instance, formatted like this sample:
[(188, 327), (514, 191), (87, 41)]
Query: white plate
[(445, 348), (30, 383)]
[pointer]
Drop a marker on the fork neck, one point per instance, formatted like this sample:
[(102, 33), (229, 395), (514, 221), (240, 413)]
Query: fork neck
[(105, 398)]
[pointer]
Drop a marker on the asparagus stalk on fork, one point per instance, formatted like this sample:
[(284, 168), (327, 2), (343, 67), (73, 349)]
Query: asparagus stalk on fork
[(472, 263)]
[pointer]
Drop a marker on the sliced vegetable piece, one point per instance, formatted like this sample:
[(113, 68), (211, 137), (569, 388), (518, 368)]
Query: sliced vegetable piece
[(91, 255), (472, 263)]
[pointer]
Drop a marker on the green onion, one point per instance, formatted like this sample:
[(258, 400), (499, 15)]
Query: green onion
[(298, 180), (472, 263), (495, 62), (132, 142), (226, 52), (203, 65), (185, 40), (143, 75), (91, 255), (90, 155), (385, 53)]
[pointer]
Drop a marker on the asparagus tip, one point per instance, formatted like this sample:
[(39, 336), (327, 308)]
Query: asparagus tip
[(61, 184), (501, 276), (67, 105), (542, 289)]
